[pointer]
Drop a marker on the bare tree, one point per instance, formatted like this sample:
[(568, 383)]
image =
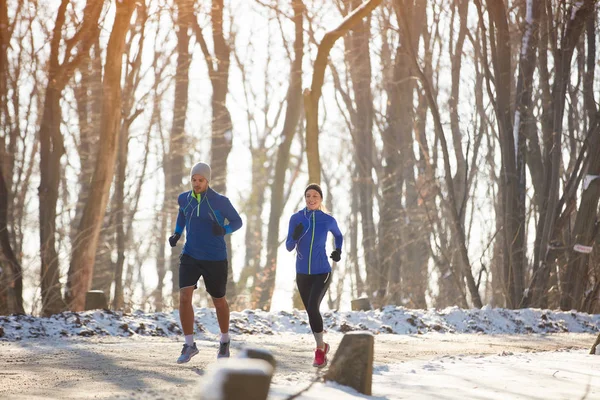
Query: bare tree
[(575, 22), (266, 282), (162, 223), (357, 44), (260, 102), (221, 126), (51, 141), (405, 265), (84, 248), (87, 90), (174, 164), (585, 230), (523, 128), (11, 275), (132, 80), (313, 95), (14, 272), (451, 202)]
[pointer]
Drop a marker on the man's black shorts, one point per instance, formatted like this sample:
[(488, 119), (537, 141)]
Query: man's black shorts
[(213, 272)]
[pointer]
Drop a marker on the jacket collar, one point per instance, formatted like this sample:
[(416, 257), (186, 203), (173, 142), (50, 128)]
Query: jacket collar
[(308, 212), (209, 193)]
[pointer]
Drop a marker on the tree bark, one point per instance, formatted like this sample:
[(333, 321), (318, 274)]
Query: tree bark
[(52, 147), (175, 164), (512, 237), (576, 275), (221, 124), (265, 285), (11, 295), (15, 281), (84, 248), (358, 57), (523, 126), (132, 79), (313, 95), (584, 232), (451, 201), (88, 97), (574, 27), (461, 183)]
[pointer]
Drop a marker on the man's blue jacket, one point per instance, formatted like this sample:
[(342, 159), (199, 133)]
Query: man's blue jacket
[(197, 213)]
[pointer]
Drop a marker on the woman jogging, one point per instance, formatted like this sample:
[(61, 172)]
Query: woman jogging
[(307, 233)]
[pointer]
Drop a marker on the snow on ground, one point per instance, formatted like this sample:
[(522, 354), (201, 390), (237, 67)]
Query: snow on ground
[(544, 375), (452, 353), (390, 319)]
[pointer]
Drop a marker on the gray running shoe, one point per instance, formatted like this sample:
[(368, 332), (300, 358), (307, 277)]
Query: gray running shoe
[(187, 353), (223, 350)]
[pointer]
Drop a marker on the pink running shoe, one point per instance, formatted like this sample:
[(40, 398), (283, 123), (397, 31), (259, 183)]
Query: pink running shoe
[(321, 357)]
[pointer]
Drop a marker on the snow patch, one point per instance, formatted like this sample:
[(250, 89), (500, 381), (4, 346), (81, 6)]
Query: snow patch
[(388, 320)]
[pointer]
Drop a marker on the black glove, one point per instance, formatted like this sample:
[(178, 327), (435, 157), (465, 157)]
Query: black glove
[(173, 239), (336, 255), (298, 231), (218, 230)]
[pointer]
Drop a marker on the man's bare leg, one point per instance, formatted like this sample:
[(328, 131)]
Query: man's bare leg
[(222, 308), (186, 316), (186, 311)]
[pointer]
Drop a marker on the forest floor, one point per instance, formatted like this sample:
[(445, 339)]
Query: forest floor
[(144, 367)]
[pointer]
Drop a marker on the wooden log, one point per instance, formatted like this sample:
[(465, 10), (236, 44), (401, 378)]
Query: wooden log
[(259, 354), (352, 364), (237, 378), (596, 343), (361, 304), (95, 299)]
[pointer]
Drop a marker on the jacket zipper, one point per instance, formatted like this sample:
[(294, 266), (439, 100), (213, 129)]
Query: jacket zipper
[(312, 240)]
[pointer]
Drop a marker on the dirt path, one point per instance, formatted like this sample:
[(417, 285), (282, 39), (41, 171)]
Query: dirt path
[(144, 367)]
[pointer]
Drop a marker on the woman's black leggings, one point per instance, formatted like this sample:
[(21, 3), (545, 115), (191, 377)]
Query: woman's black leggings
[(312, 289)]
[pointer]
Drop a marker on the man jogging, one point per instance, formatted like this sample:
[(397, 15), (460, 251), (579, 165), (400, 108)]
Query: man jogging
[(207, 217)]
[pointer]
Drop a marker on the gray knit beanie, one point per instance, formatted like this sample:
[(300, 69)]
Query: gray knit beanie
[(201, 169)]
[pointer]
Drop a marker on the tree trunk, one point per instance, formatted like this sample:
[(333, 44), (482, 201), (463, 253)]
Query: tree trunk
[(84, 248), (392, 177), (254, 224), (574, 27), (576, 276), (119, 211), (523, 123), (352, 257), (413, 220), (359, 64), (313, 95), (451, 201), (52, 148), (584, 232), (265, 286), (88, 97), (175, 164), (132, 79), (11, 275), (15, 281), (501, 61), (221, 125), (461, 185)]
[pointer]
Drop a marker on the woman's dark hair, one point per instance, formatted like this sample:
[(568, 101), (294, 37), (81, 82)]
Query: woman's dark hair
[(315, 187)]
